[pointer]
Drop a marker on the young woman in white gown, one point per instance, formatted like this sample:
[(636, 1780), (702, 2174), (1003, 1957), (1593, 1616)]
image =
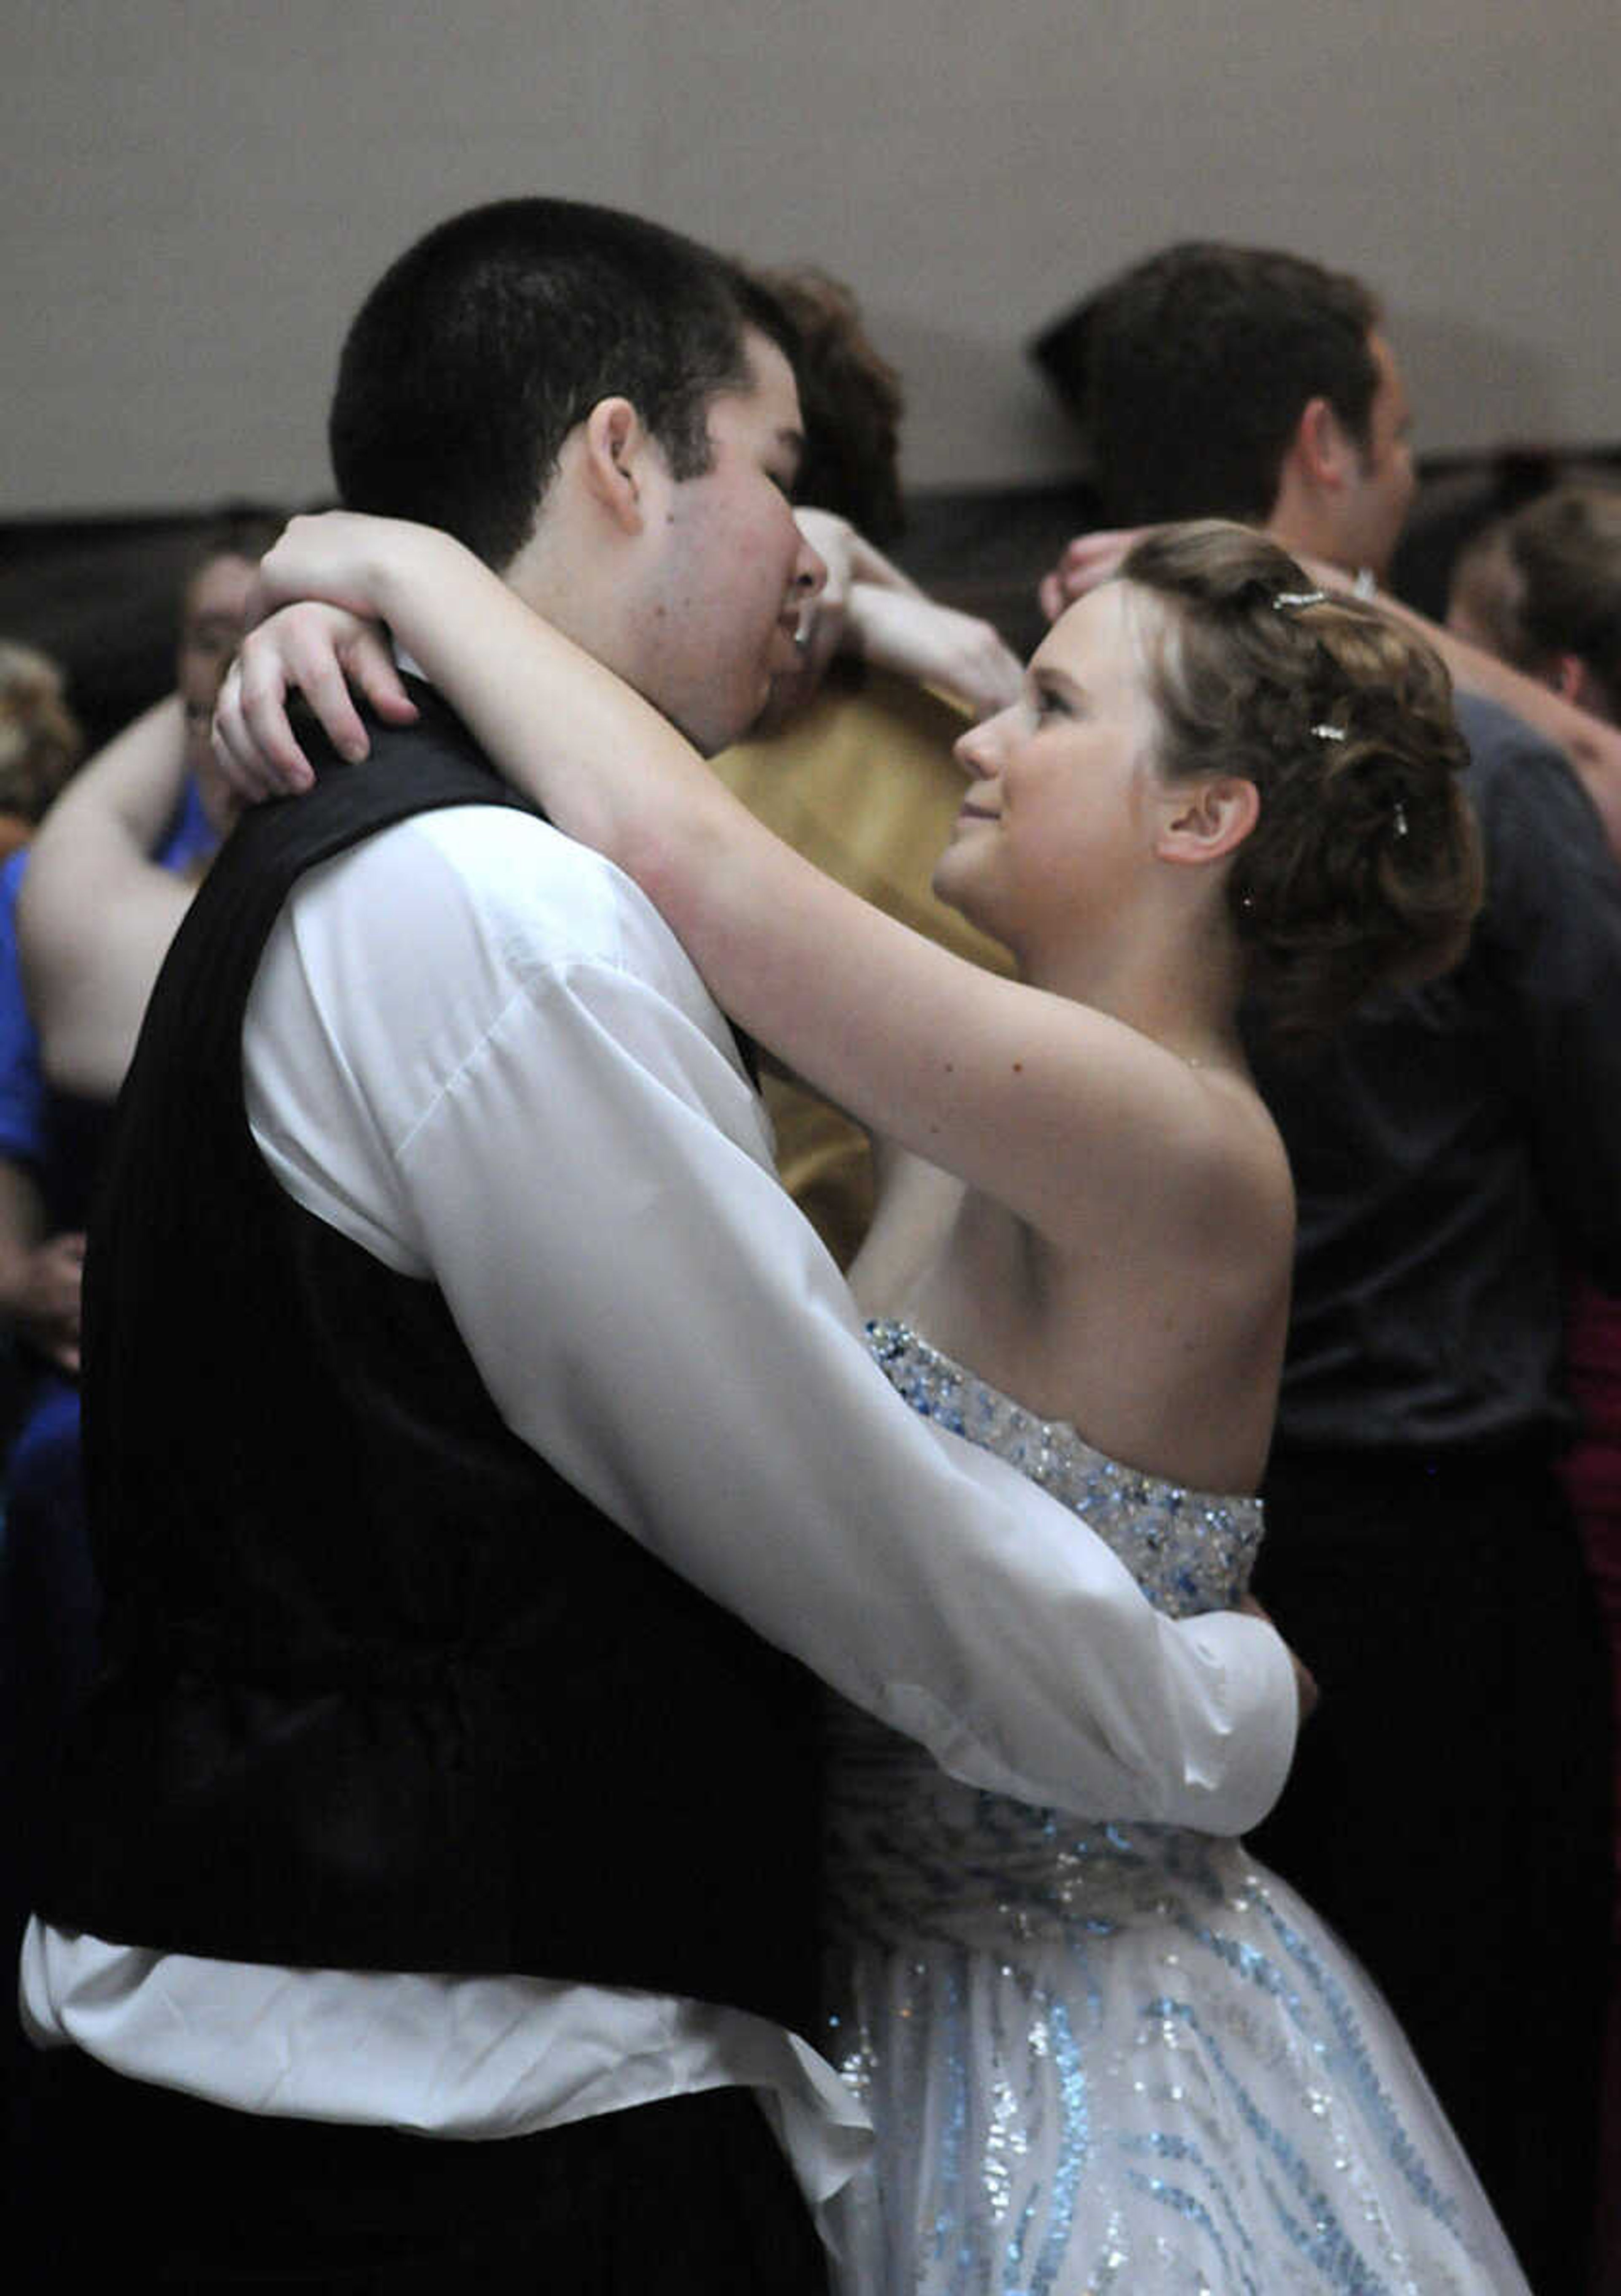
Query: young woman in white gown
[(1113, 2056)]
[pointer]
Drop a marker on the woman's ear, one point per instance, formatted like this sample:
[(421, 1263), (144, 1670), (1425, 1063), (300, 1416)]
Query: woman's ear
[(1208, 818), (615, 461)]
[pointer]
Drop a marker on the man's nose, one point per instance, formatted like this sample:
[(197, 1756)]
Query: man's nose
[(810, 573)]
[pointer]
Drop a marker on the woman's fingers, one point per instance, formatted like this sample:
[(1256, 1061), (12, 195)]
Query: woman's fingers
[(324, 654)]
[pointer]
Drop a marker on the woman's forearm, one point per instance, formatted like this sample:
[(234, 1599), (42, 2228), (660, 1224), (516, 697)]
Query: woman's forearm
[(603, 763), (849, 997), (1592, 746), (117, 807)]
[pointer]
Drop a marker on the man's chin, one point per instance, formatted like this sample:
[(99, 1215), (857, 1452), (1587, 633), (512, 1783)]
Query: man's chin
[(785, 697), (712, 731), (718, 717)]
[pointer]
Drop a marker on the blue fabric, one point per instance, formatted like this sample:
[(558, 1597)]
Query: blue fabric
[(48, 1597), (22, 1120), (35, 1128), (191, 835)]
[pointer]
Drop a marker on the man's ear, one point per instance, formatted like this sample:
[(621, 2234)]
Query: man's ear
[(1571, 679), (1207, 819), (617, 459), (1321, 448)]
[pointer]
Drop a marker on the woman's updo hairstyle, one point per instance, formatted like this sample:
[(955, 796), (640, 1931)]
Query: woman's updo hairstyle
[(1363, 869)]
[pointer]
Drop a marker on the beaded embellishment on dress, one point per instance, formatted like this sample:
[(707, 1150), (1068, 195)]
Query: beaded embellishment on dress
[(1104, 2054), (1189, 1551)]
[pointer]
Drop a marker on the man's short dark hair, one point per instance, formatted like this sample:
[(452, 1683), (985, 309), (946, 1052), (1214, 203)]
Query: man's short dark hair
[(1199, 364), (486, 343)]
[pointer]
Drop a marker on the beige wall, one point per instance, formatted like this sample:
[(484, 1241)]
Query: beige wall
[(198, 191)]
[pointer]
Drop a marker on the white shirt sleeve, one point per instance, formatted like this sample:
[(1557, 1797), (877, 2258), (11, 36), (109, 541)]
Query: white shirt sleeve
[(477, 1050)]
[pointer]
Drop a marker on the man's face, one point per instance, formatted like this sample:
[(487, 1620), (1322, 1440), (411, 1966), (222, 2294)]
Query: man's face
[(1373, 511), (729, 570)]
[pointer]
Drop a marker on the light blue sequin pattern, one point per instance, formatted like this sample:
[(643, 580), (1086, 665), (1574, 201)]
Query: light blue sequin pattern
[(1112, 2057)]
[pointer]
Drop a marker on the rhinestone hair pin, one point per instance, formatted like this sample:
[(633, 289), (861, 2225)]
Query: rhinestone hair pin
[(1329, 732), (1283, 599)]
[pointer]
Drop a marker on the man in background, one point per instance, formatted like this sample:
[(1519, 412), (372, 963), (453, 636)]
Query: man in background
[(1449, 1810)]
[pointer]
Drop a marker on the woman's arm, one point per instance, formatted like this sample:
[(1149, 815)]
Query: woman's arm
[(96, 914), (1592, 746), (40, 1273), (931, 645), (1050, 1107)]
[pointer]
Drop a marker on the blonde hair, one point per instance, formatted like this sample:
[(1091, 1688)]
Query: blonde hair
[(41, 741)]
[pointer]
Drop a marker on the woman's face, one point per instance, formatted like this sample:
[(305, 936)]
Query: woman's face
[(213, 617), (1061, 816)]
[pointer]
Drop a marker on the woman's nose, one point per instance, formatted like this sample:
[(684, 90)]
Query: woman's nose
[(975, 751)]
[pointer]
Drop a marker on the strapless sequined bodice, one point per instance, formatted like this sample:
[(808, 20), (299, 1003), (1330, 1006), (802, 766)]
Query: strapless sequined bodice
[(909, 1849), (1189, 1551)]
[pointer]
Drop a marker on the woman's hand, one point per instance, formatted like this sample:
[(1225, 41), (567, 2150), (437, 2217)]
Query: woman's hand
[(42, 1299), (321, 594), (933, 645), (1085, 562), (869, 607), (821, 630), (320, 652)]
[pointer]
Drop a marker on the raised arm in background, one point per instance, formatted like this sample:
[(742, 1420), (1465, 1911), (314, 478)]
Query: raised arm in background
[(96, 912)]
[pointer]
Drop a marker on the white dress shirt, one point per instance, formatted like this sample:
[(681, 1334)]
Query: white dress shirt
[(475, 1049)]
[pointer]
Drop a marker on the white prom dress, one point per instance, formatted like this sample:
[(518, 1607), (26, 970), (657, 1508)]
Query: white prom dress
[(1113, 2056)]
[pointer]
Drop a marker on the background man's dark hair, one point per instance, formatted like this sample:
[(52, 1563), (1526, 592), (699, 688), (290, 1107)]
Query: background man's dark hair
[(852, 400), (486, 343), (1547, 582), (1199, 364), (236, 530)]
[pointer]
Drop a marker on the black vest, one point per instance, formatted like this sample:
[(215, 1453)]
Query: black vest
[(380, 1690)]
